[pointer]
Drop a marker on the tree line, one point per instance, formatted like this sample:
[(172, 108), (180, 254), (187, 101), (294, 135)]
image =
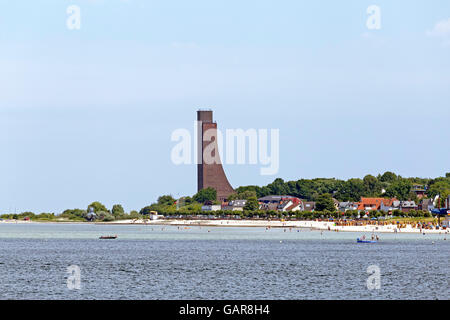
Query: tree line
[(387, 185), (320, 190)]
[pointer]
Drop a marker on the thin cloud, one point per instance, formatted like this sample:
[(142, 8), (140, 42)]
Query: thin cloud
[(441, 29)]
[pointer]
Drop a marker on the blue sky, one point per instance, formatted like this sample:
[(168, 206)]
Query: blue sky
[(87, 114)]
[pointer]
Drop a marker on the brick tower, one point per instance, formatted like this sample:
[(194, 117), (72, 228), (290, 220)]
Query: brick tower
[(210, 173)]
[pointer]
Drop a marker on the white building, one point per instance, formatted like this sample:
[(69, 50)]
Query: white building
[(235, 205), (211, 207)]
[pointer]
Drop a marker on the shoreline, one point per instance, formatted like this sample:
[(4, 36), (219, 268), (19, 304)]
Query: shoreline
[(313, 225)]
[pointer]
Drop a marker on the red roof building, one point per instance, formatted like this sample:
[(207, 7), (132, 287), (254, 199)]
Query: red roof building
[(374, 203)]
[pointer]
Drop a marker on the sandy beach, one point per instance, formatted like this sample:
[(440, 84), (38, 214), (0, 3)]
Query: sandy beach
[(315, 225)]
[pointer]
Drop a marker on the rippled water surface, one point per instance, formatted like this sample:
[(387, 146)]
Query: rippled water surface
[(154, 262)]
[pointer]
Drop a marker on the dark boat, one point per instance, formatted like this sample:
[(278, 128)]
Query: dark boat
[(108, 237)]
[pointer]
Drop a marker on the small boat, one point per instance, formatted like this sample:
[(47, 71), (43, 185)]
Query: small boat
[(358, 240), (108, 237)]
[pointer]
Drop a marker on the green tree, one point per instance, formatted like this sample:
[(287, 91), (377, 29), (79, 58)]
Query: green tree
[(28, 214), (278, 187), (134, 214), (325, 202), (73, 213), (208, 194), (251, 204), (97, 207), (188, 200), (233, 196), (244, 195), (388, 177), (413, 197), (371, 185), (166, 200), (260, 192), (117, 210), (146, 210), (399, 189), (439, 187), (351, 190)]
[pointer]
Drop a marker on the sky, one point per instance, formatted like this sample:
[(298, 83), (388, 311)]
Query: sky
[(87, 114)]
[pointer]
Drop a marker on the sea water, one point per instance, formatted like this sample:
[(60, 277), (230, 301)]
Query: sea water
[(169, 262)]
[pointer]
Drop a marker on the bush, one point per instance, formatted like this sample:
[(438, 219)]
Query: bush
[(105, 216), (26, 214), (134, 215), (45, 216), (70, 213), (109, 217)]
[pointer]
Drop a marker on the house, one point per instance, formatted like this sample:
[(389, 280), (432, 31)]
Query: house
[(419, 190), (297, 205), (91, 216), (389, 205), (382, 204), (280, 203), (210, 206), (407, 206), (269, 206), (426, 205), (155, 216), (446, 221), (309, 205), (396, 205), (234, 205), (270, 203), (273, 199), (336, 204), (291, 204), (347, 205), (367, 204)]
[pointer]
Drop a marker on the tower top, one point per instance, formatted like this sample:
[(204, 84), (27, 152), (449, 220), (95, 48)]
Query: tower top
[(205, 115)]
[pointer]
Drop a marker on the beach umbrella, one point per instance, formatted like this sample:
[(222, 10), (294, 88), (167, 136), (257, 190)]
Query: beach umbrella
[(440, 213)]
